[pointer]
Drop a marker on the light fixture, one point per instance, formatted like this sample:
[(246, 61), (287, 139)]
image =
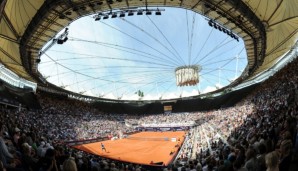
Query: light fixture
[(215, 26), (157, 12), (105, 16), (68, 13), (221, 28), (111, 14), (60, 41), (130, 13), (114, 15), (210, 22), (61, 16), (140, 12), (97, 18), (65, 39), (122, 14)]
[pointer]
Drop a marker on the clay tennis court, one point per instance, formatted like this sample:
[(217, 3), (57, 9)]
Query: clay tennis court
[(141, 148)]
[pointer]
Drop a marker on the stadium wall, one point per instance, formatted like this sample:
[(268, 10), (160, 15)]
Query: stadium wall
[(180, 105)]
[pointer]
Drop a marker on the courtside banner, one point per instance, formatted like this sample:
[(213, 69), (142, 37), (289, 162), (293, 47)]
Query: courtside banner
[(180, 128)]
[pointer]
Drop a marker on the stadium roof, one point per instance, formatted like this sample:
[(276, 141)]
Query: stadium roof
[(268, 28)]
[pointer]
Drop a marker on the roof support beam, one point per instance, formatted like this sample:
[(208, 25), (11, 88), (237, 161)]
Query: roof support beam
[(282, 42), (275, 10), (2, 5), (9, 38), (181, 3), (127, 4), (109, 5), (9, 56), (11, 27), (284, 20), (196, 4)]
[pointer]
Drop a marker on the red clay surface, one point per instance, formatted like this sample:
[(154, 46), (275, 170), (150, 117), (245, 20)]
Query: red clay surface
[(142, 150)]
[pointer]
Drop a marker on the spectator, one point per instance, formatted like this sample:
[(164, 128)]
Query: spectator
[(251, 161), (272, 160), (69, 165), (6, 158), (285, 155)]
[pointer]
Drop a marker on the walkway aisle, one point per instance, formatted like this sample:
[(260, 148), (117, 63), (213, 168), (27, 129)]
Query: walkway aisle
[(219, 135), (207, 138), (194, 147)]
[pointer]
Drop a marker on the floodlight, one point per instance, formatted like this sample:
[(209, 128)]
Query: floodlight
[(210, 23), (97, 18), (122, 14), (60, 41), (105, 17), (140, 12), (130, 13), (114, 15), (65, 39)]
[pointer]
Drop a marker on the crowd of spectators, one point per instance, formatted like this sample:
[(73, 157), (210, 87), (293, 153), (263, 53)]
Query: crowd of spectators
[(256, 134), (78, 120)]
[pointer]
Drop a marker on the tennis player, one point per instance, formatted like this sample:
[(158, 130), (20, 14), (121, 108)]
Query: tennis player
[(103, 148)]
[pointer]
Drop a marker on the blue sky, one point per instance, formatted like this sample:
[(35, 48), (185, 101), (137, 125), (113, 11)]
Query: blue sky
[(114, 58)]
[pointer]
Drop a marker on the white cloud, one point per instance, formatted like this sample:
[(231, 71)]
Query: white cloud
[(151, 97), (194, 92), (169, 96), (208, 89), (89, 93), (130, 97), (110, 96), (218, 85)]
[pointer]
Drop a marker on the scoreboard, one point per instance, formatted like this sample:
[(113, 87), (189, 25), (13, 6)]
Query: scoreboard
[(167, 109)]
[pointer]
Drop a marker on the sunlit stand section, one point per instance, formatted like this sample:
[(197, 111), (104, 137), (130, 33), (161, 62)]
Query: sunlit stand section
[(187, 75)]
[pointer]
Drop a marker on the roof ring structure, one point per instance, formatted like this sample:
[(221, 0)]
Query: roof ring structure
[(266, 29)]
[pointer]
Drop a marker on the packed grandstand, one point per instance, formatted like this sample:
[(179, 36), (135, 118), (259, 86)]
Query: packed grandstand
[(249, 124), (251, 135)]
